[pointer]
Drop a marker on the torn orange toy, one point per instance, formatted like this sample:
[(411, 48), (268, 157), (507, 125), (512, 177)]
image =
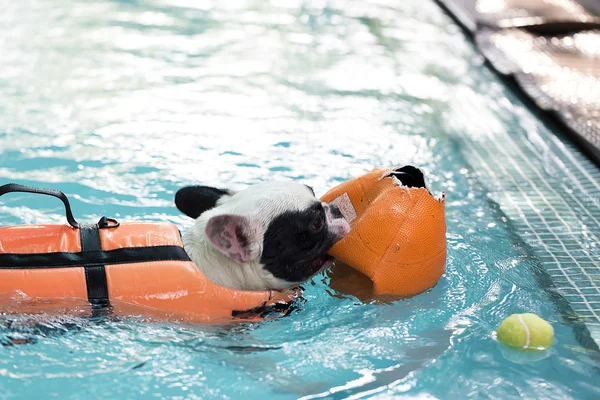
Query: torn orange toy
[(398, 230)]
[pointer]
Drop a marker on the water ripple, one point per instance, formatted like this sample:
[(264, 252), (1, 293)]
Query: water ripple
[(120, 103)]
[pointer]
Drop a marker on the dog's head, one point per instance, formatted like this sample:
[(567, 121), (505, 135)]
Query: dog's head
[(279, 232)]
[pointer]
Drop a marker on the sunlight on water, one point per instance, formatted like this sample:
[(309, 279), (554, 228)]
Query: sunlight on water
[(120, 103)]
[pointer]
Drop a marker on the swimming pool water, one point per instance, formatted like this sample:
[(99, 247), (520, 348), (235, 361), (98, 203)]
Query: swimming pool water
[(120, 103)]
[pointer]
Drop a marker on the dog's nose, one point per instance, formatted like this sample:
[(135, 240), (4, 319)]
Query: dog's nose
[(335, 211)]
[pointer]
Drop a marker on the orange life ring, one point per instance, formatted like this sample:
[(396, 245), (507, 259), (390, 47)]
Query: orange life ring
[(398, 233), (142, 265)]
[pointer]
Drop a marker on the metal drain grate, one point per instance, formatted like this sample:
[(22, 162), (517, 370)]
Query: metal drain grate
[(554, 58), (561, 72), (514, 13)]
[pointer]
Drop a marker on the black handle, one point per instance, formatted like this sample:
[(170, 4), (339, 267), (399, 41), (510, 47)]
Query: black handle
[(16, 188)]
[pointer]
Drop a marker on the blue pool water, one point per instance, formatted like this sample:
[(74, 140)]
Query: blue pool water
[(120, 103)]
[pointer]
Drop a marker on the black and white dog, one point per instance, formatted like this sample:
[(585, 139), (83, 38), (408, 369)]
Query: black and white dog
[(269, 236)]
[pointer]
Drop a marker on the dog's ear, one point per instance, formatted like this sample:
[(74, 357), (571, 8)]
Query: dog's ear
[(194, 200), (233, 236)]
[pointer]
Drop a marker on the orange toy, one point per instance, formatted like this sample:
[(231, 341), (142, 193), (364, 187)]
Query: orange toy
[(126, 268), (398, 230)]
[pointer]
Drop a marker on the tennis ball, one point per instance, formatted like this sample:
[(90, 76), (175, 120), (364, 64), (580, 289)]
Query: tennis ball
[(526, 332)]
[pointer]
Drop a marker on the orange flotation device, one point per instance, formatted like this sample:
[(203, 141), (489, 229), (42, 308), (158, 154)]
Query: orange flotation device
[(398, 231), (397, 239), (123, 267)]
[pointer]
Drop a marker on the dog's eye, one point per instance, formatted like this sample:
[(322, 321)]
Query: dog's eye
[(317, 225)]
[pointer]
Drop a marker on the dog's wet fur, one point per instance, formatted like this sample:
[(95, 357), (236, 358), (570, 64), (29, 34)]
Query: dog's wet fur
[(269, 236)]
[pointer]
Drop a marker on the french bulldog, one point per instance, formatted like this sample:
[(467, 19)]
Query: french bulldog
[(268, 236)]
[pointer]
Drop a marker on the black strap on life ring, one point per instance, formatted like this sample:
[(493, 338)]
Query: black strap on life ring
[(125, 255), (95, 275), (16, 188)]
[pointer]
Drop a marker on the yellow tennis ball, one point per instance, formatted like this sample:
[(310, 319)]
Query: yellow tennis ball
[(526, 332)]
